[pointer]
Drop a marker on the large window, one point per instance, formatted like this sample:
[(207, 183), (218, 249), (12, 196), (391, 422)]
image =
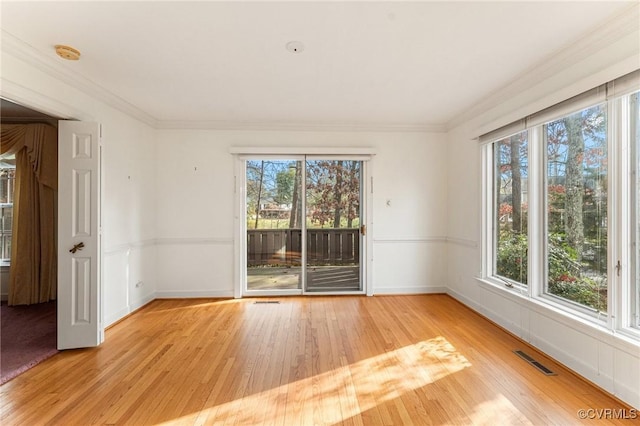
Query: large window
[(7, 183), (562, 206), (576, 206)]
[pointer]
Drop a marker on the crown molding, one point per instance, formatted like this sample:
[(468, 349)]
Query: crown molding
[(19, 94), (621, 25), (364, 152), (302, 126), (50, 66)]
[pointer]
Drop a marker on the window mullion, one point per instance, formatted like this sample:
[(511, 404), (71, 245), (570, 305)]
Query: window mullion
[(632, 302), (488, 222), (617, 240), (537, 225)]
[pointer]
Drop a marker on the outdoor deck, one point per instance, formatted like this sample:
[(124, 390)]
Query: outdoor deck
[(320, 278), (274, 256)]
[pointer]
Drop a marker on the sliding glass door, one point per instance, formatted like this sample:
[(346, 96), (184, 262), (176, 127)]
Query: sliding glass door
[(333, 200), (303, 238)]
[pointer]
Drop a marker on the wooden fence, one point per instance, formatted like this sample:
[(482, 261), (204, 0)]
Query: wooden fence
[(283, 246)]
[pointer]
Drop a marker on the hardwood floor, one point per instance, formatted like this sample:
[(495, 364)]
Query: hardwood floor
[(395, 360)]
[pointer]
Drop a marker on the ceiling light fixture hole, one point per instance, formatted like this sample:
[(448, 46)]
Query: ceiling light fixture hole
[(295, 47), (67, 52)]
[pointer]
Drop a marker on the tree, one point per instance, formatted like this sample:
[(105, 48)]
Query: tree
[(337, 209), (577, 161), (511, 168), (269, 185), (333, 191), (259, 196), (574, 186), (577, 199), (285, 185), (516, 183), (295, 220), (353, 193)]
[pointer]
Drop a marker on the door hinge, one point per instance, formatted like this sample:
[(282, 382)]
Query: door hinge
[(618, 268), (363, 230)]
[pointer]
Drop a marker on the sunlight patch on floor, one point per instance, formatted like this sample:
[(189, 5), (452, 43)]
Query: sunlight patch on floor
[(496, 411), (151, 309), (342, 392)]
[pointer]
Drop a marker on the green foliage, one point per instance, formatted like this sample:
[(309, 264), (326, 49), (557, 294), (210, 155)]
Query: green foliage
[(567, 276), (576, 204), (512, 256), (562, 258), (580, 290), (284, 186)]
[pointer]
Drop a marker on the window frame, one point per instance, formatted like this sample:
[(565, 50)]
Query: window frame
[(630, 220), (508, 282), (622, 285), (577, 308), (3, 207)]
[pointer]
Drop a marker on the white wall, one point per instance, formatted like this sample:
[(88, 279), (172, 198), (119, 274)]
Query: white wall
[(597, 355), (195, 178), (129, 163)]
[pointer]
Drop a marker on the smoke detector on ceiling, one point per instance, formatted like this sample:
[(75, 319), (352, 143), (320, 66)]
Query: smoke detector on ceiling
[(295, 47), (67, 52)]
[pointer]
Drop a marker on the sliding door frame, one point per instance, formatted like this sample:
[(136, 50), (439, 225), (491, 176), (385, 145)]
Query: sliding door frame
[(364, 213), (241, 242), (242, 155)]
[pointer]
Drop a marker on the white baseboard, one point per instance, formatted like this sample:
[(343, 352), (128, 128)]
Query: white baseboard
[(113, 318), (515, 329), (570, 361), (228, 294), (143, 301), (117, 316), (408, 290)]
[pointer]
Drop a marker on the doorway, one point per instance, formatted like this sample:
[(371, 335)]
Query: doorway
[(29, 331), (79, 291), (304, 226)]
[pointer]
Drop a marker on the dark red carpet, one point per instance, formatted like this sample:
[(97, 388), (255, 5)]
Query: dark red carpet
[(28, 336)]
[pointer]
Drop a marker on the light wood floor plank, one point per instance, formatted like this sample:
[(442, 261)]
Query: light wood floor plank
[(384, 360)]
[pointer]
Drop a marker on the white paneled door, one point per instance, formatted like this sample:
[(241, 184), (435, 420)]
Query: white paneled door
[(79, 251)]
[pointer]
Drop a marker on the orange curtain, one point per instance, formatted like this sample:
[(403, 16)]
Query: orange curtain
[(33, 273)]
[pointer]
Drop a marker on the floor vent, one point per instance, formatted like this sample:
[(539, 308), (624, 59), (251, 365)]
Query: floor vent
[(263, 302), (544, 370)]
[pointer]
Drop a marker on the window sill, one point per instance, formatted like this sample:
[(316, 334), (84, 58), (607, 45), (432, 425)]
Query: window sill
[(598, 330)]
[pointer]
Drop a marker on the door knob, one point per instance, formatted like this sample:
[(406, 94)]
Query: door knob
[(77, 247)]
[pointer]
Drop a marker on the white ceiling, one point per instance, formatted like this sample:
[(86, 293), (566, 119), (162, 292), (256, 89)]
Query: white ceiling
[(364, 63)]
